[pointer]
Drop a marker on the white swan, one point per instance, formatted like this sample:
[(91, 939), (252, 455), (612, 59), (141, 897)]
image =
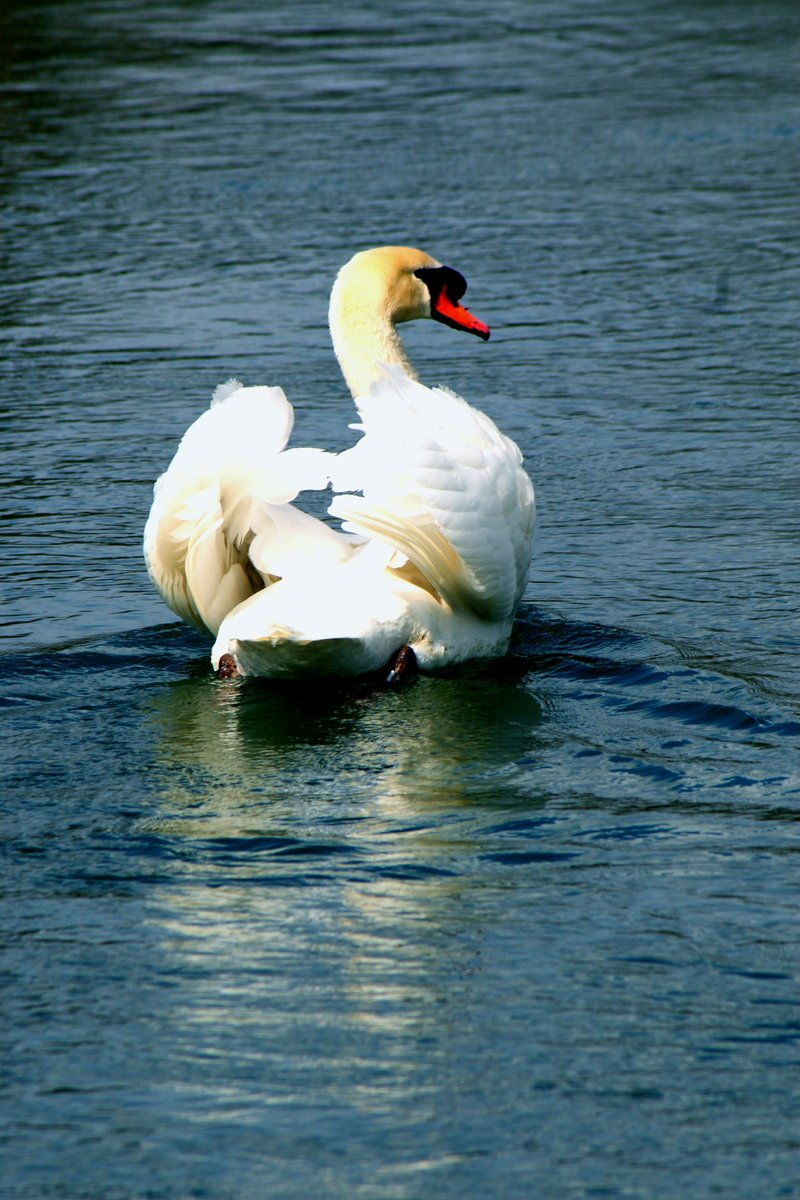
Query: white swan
[(434, 552)]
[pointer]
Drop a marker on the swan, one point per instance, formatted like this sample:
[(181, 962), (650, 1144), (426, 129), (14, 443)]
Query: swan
[(436, 509)]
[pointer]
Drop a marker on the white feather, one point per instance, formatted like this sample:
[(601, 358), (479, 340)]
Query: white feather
[(442, 484), (217, 497), (434, 550)]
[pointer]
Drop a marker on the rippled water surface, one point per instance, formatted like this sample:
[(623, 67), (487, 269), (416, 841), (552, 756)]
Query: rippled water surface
[(529, 929)]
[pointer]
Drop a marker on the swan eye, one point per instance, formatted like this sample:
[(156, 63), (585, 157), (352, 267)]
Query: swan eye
[(442, 279)]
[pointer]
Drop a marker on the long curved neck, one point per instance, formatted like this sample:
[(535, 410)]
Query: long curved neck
[(364, 338)]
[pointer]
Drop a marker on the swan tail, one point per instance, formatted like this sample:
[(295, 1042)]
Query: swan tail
[(345, 621), (283, 657)]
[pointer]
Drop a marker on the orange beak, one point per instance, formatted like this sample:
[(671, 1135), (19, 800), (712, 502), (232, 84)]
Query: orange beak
[(445, 310)]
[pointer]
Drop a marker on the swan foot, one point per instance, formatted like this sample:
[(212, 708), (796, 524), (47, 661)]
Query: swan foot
[(402, 667), (227, 668)]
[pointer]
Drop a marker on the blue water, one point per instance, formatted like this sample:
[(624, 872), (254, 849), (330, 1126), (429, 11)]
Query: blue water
[(526, 929)]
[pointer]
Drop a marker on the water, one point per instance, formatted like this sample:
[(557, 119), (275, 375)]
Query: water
[(527, 929)]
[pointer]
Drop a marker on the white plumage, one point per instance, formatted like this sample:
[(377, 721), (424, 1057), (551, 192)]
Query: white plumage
[(435, 548)]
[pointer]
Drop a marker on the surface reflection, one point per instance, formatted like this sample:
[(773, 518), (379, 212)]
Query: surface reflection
[(442, 741), (325, 915)]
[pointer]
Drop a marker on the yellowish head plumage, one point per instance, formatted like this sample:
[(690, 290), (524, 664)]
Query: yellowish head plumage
[(377, 290)]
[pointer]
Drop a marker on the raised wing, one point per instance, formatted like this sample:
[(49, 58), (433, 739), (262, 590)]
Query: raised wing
[(442, 485), (221, 521)]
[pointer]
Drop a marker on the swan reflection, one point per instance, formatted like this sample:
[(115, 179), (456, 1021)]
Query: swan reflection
[(325, 913), (224, 749)]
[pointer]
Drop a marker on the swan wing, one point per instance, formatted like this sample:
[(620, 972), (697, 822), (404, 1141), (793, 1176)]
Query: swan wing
[(443, 486), (224, 499)]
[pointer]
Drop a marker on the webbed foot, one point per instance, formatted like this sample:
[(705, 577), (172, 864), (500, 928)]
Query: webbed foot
[(402, 667), (227, 668)]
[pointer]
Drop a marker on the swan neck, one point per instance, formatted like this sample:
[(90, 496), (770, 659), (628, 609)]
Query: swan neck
[(364, 339)]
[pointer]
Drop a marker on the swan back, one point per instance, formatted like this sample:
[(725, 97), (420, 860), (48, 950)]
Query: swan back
[(444, 486)]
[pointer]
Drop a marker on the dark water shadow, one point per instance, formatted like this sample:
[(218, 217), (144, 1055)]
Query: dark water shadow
[(446, 740), (576, 709)]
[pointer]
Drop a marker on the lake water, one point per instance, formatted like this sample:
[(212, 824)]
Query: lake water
[(527, 930)]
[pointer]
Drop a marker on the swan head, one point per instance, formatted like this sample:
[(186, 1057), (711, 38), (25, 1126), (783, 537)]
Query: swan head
[(381, 288), (400, 283)]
